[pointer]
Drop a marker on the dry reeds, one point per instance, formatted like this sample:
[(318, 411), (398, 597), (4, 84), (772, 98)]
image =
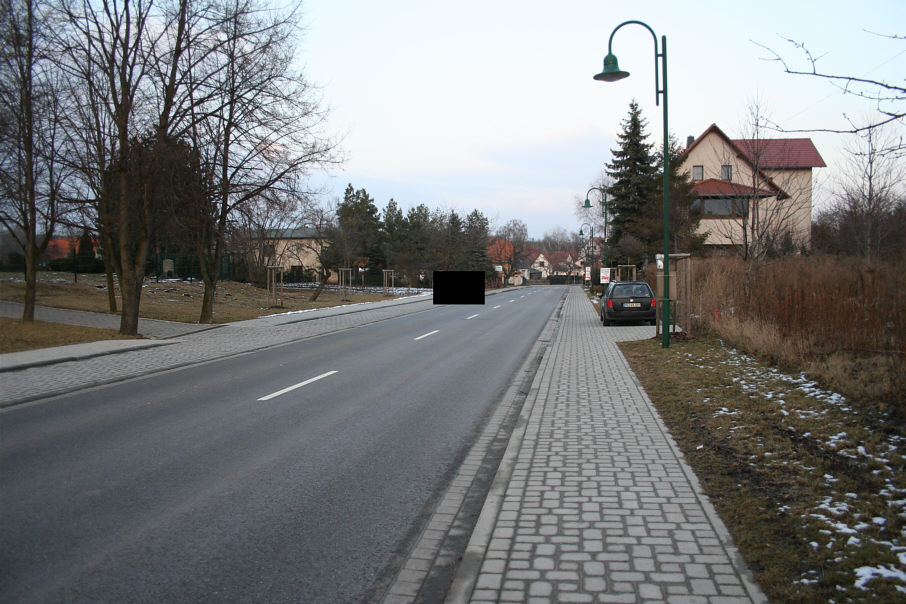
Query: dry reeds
[(843, 320)]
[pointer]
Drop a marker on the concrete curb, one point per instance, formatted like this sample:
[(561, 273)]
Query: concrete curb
[(470, 567), (42, 357)]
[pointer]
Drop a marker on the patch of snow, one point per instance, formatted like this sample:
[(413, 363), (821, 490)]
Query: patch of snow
[(866, 574)]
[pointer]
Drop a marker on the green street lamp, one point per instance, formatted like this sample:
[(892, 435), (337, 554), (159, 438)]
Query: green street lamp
[(591, 239), (612, 73), (587, 206)]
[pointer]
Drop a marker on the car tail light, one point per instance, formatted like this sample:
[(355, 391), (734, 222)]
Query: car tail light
[(610, 303), (654, 303)]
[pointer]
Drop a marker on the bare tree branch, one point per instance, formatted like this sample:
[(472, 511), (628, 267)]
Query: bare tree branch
[(889, 98)]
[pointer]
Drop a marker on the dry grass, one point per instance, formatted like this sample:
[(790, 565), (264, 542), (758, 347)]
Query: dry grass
[(18, 336), (810, 486), (842, 320), (168, 300)]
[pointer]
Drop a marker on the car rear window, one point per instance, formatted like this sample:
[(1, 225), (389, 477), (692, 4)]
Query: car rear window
[(631, 291)]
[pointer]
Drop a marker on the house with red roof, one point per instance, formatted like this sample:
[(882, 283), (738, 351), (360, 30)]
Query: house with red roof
[(552, 263), (752, 192)]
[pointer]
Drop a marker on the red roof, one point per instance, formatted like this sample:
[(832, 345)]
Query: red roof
[(558, 257), (61, 247), (771, 152), (714, 187), (781, 152)]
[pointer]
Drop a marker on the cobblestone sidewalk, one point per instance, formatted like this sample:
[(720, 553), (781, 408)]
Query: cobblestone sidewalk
[(594, 502)]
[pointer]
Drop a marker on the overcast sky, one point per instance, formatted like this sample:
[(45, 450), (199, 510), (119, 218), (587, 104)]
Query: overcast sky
[(490, 104)]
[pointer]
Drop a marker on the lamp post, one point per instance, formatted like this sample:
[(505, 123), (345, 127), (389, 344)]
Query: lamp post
[(587, 205), (591, 238), (612, 73)]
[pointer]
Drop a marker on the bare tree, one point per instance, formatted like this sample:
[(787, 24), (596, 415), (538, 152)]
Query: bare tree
[(868, 193), (31, 173), (322, 221), (111, 48), (557, 240), (261, 126), (263, 224), (509, 251)]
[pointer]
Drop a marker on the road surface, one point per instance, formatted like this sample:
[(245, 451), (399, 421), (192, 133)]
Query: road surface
[(299, 473)]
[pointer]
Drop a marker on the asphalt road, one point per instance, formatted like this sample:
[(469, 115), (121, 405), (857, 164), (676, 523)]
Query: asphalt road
[(301, 473)]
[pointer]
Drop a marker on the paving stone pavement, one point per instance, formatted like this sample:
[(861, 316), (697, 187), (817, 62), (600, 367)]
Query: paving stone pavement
[(593, 501)]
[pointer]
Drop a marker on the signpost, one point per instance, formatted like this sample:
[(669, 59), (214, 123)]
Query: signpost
[(605, 276)]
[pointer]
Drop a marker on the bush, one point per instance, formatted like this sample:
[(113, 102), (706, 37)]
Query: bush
[(68, 265)]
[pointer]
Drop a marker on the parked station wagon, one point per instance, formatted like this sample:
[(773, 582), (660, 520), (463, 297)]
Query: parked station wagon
[(628, 301)]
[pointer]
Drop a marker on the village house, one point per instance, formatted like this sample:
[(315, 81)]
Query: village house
[(753, 192), (295, 250)]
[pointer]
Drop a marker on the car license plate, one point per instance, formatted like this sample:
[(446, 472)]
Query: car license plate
[(632, 305)]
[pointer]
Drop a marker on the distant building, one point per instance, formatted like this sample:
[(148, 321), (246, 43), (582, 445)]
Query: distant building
[(61, 247), (292, 249)]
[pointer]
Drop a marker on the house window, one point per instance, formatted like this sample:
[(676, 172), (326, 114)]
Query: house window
[(270, 250), (698, 172), (726, 172), (722, 207)]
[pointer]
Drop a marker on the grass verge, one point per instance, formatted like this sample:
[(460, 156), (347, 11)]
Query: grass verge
[(19, 336), (811, 487), (171, 300)]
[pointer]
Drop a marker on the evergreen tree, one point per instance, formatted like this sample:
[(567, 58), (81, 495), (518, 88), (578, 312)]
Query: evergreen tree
[(451, 241), (477, 231), (358, 230), (416, 258), (394, 230), (634, 178), (85, 257)]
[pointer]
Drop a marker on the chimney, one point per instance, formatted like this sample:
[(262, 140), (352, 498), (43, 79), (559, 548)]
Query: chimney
[(689, 141)]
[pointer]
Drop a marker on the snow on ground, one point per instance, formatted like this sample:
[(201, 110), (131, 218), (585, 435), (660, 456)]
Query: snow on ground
[(825, 424)]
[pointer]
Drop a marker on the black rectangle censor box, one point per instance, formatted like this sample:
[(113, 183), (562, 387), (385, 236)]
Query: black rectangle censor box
[(459, 287)]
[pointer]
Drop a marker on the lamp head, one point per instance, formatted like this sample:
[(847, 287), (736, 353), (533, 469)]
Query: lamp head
[(581, 234), (587, 203), (612, 71)]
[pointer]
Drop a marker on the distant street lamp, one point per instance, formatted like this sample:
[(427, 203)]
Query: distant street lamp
[(612, 73), (587, 206), (591, 237)]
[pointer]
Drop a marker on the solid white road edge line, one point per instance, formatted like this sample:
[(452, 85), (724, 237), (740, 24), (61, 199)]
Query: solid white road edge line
[(430, 333), (293, 387)]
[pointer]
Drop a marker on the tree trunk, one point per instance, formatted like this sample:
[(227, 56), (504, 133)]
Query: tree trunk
[(131, 290), (111, 293), (209, 277), (31, 279), (324, 278), (109, 268)]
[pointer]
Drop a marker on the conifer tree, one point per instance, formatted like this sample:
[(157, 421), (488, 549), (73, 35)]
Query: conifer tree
[(634, 179)]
